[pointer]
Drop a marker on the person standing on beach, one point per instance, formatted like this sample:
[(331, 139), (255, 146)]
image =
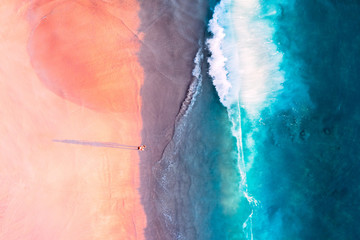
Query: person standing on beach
[(141, 148)]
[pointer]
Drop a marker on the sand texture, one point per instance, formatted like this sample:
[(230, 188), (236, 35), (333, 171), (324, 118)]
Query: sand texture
[(173, 33), (69, 70)]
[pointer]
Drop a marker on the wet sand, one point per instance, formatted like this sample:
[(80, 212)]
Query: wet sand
[(173, 32), (69, 70)]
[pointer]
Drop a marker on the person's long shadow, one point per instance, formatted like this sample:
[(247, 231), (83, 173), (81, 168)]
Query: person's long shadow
[(98, 144)]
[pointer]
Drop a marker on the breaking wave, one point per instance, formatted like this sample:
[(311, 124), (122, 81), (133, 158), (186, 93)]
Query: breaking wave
[(245, 63), (245, 68)]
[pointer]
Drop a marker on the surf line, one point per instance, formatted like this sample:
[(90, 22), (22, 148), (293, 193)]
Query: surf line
[(235, 87), (102, 144)]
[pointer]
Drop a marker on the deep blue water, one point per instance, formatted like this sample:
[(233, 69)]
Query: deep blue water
[(306, 173)]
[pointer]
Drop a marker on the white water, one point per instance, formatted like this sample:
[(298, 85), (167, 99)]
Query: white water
[(194, 88), (244, 62), (244, 65)]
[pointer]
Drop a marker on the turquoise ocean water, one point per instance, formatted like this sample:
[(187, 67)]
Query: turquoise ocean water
[(268, 146)]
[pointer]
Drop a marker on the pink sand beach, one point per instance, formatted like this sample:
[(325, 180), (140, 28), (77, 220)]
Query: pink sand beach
[(69, 70)]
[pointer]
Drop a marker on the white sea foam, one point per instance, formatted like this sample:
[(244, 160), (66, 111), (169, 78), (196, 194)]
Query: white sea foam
[(194, 88), (245, 62), (217, 60), (244, 65)]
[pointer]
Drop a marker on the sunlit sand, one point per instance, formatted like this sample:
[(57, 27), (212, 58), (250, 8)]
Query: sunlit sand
[(69, 71)]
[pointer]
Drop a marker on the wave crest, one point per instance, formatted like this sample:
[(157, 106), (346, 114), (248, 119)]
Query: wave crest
[(244, 62)]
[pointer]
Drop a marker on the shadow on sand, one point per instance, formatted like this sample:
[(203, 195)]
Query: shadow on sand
[(98, 144)]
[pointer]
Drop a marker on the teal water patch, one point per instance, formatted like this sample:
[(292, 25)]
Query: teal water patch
[(245, 68), (210, 156), (306, 170)]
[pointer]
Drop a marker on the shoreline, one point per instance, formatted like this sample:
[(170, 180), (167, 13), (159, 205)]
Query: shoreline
[(172, 32)]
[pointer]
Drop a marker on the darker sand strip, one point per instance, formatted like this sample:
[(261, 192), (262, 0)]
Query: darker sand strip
[(172, 32)]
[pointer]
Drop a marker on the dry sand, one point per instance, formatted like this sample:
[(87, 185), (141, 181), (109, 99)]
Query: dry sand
[(80, 81)]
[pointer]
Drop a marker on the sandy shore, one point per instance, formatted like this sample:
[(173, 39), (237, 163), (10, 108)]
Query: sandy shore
[(69, 71), (173, 32)]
